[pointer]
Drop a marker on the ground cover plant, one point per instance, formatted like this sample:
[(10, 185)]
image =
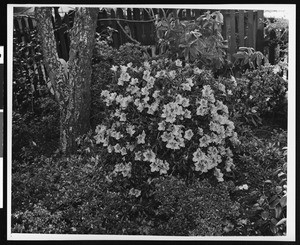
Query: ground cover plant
[(174, 148)]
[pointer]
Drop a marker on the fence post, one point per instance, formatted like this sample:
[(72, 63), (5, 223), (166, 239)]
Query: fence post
[(17, 30), (232, 33), (197, 13), (260, 31), (116, 43), (122, 36), (272, 47), (188, 14), (24, 28), (136, 16), (250, 29), (241, 27)]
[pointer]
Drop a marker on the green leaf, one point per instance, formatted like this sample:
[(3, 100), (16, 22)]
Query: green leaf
[(265, 215), (280, 222), (283, 201), (219, 17), (273, 228), (240, 55), (259, 60), (274, 202), (278, 211), (274, 221)]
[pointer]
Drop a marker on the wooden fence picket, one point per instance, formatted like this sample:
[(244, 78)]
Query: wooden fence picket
[(232, 49), (241, 28), (250, 39), (260, 31)]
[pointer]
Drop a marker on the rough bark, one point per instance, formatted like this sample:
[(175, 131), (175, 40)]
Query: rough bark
[(70, 80)]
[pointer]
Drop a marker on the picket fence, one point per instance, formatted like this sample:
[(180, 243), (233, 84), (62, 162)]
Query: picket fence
[(240, 28)]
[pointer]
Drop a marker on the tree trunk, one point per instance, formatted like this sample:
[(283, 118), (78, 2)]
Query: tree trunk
[(70, 80)]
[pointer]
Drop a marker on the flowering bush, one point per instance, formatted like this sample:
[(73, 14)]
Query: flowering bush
[(104, 57), (164, 118)]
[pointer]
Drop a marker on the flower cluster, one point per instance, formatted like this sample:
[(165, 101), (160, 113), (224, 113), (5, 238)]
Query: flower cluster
[(163, 113)]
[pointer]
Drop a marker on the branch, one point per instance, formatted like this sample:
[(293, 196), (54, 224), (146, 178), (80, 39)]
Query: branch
[(50, 57)]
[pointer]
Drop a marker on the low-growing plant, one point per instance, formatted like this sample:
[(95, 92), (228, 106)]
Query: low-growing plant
[(35, 133), (262, 168), (195, 209), (40, 220)]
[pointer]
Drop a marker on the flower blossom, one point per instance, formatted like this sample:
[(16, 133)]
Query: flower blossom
[(141, 138), (149, 156)]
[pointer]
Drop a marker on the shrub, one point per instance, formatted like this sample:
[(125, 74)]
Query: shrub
[(197, 209), (258, 95), (165, 118)]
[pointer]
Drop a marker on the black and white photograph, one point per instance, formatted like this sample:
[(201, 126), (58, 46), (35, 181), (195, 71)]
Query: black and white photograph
[(151, 122)]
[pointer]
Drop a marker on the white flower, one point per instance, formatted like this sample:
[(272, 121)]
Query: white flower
[(123, 151), (161, 125), (138, 156), (141, 138), (147, 65), (117, 148), (178, 63), (197, 71), (123, 117), (172, 74), (130, 130), (188, 134), (276, 69), (187, 113), (190, 81), (114, 68), (134, 81), (134, 192), (219, 175), (149, 156), (186, 86)]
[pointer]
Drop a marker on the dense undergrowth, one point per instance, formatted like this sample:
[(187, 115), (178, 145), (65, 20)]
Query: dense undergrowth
[(141, 169)]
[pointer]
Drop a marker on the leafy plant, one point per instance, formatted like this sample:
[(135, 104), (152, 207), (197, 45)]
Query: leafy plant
[(28, 84), (249, 58), (258, 95), (262, 167), (198, 40)]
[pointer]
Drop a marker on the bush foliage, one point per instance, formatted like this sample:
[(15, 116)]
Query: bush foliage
[(166, 117)]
